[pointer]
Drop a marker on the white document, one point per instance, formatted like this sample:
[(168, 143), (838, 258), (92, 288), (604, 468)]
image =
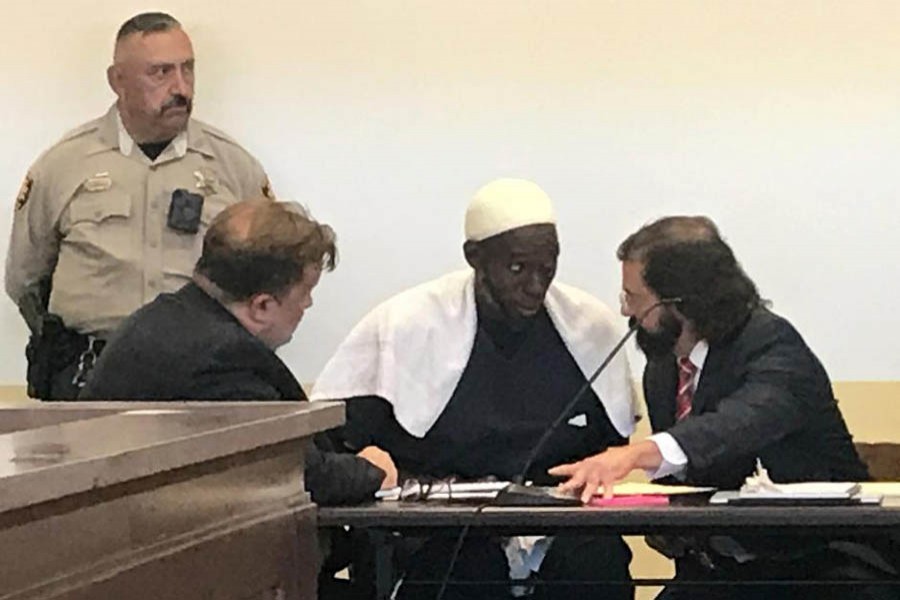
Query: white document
[(807, 489)]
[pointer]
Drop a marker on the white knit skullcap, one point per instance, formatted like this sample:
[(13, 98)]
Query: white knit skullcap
[(506, 204)]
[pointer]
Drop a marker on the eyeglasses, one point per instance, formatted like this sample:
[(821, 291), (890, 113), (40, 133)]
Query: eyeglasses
[(632, 303), (645, 304)]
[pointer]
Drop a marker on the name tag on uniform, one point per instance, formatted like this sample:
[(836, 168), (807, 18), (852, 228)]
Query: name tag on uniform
[(99, 182)]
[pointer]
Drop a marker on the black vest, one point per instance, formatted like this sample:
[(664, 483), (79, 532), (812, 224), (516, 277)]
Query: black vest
[(512, 389)]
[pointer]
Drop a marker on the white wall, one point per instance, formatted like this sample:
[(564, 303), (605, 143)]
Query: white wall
[(781, 120)]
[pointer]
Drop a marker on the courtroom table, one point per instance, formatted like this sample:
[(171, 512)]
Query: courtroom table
[(388, 521), (165, 501)]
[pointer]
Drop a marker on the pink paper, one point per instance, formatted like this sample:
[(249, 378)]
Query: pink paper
[(635, 500)]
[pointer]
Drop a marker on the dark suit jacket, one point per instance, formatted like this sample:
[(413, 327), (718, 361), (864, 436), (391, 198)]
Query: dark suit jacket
[(762, 393), (186, 345)]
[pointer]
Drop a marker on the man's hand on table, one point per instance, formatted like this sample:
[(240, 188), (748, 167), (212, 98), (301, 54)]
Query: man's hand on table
[(383, 461), (606, 468)]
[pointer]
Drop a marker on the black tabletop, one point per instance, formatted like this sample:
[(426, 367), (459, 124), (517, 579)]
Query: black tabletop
[(694, 514)]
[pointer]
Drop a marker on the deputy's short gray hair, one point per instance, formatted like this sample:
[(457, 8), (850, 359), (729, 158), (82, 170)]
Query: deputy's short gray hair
[(146, 23)]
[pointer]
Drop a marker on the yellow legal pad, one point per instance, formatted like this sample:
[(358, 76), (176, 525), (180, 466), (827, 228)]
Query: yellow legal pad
[(637, 488)]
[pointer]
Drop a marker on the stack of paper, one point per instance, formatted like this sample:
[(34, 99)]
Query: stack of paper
[(823, 490), (759, 488)]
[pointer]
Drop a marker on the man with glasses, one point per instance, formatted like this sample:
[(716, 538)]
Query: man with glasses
[(728, 382)]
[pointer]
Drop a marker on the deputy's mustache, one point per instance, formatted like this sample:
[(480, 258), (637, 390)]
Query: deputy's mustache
[(178, 101)]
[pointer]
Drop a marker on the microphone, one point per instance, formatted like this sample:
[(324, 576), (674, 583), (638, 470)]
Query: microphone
[(536, 450)]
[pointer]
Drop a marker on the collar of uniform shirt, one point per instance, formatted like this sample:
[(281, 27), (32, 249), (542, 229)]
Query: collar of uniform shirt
[(126, 142)]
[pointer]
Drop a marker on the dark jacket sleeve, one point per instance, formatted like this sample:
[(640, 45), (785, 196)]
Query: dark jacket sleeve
[(762, 394), (771, 401), (334, 478), (366, 424)]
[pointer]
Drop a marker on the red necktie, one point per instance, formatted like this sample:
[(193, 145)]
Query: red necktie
[(685, 395)]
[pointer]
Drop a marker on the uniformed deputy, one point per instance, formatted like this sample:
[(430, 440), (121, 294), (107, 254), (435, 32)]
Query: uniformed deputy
[(115, 213)]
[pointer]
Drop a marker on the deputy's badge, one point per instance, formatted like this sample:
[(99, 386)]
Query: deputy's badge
[(98, 182), (24, 192), (267, 189), (206, 181)]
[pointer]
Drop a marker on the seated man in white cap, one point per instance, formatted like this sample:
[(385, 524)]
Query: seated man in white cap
[(460, 377)]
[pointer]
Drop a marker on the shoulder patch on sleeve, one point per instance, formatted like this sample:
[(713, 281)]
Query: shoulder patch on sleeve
[(24, 192)]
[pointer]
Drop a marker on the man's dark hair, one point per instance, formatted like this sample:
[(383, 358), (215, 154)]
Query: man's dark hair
[(686, 258), (147, 22), (263, 246), (665, 232)]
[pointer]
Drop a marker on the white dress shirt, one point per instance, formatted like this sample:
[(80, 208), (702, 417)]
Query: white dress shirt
[(674, 459)]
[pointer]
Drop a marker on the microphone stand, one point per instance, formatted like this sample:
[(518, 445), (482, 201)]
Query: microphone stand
[(517, 492), (535, 451)]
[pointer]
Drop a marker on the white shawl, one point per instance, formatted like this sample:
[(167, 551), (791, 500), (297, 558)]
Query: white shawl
[(412, 349)]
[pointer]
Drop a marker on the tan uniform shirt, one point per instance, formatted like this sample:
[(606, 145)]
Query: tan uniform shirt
[(93, 212)]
